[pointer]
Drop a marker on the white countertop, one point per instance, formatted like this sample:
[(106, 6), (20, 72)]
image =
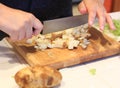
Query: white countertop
[(107, 70)]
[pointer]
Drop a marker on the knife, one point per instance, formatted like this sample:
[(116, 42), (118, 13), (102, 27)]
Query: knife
[(64, 23), (58, 24)]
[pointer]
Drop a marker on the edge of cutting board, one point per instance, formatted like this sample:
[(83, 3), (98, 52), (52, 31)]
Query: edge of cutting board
[(108, 47)]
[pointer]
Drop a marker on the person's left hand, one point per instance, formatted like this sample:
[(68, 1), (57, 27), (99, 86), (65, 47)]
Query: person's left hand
[(95, 8)]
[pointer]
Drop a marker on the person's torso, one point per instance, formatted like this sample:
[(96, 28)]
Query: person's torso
[(43, 9)]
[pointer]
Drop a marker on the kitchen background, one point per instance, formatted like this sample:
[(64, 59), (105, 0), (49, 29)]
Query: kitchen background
[(107, 70), (110, 5)]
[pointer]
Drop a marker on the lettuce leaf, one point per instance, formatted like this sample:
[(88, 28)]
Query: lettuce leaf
[(115, 32), (92, 71)]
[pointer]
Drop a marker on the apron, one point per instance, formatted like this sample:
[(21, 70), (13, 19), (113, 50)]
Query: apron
[(43, 9)]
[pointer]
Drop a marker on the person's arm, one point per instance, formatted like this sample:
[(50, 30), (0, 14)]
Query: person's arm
[(18, 24), (95, 8)]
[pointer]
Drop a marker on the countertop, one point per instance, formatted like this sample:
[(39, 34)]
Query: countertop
[(105, 72)]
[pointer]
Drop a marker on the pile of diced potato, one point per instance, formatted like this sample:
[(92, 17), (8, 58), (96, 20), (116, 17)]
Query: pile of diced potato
[(70, 38)]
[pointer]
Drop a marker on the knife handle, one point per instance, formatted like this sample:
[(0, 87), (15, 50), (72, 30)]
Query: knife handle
[(3, 35)]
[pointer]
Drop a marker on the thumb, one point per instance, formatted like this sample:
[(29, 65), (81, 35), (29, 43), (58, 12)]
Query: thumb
[(82, 8)]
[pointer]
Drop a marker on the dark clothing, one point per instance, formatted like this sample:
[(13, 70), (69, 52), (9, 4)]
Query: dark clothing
[(43, 9)]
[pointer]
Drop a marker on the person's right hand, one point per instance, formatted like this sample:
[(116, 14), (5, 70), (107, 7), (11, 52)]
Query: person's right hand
[(18, 24)]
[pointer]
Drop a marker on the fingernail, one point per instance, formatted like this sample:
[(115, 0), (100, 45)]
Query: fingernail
[(82, 11), (113, 27)]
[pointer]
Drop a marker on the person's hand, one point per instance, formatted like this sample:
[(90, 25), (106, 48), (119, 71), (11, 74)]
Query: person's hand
[(95, 8), (18, 24)]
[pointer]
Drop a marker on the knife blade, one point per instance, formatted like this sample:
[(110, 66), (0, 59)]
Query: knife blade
[(59, 24), (64, 23)]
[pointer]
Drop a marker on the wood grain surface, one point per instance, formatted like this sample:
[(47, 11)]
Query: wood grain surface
[(100, 46)]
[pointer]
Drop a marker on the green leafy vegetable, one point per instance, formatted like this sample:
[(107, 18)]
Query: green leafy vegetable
[(92, 71), (12, 76), (115, 32)]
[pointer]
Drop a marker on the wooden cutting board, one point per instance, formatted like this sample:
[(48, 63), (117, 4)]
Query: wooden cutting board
[(100, 46)]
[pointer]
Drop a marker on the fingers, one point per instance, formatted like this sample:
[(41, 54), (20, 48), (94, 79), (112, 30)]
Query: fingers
[(91, 17), (19, 24), (95, 8), (102, 19), (26, 30), (21, 32), (17, 35), (21, 35), (14, 36), (86, 7), (37, 25), (28, 33), (109, 21), (82, 8)]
